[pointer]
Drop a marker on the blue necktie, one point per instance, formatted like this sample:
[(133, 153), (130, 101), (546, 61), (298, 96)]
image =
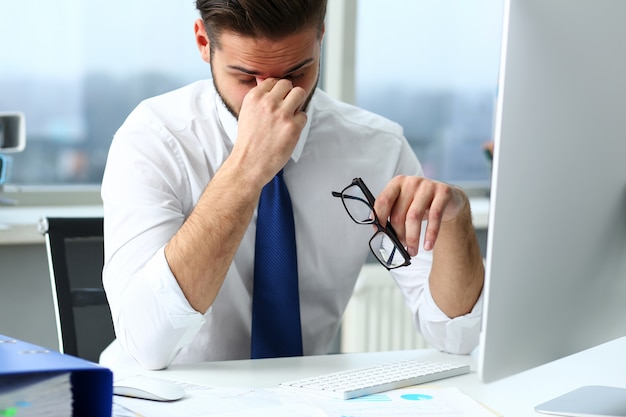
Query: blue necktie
[(276, 329)]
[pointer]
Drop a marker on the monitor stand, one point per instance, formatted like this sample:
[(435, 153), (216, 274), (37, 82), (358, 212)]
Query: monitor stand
[(588, 401)]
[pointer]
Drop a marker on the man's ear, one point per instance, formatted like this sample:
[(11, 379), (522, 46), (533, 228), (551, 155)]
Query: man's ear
[(202, 40)]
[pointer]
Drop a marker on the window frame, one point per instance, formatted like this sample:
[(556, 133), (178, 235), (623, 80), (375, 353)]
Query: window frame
[(338, 80)]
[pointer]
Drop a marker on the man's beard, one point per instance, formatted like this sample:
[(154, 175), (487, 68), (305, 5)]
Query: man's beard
[(231, 109)]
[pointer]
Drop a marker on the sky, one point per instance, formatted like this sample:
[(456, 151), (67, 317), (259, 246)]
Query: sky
[(439, 43), (69, 37), (412, 41)]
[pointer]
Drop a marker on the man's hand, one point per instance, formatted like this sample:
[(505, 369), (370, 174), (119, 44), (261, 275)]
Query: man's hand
[(457, 273), (407, 201), (270, 122)]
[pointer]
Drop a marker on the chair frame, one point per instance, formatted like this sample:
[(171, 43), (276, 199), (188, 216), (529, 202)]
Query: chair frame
[(56, 230)]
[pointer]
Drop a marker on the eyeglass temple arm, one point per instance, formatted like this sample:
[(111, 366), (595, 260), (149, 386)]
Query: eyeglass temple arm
[(350, 197)]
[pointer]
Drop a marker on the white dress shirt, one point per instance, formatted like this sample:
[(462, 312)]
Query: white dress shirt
[(161, 160)]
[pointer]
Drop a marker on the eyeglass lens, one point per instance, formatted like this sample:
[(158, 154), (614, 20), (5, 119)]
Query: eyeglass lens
[(358, 207), (386, 251)]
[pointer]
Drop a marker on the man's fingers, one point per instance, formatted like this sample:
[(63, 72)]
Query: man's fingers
[(283, 92), (282, 88), (266, 85), (295, 99), (415, 216), (435, 214)]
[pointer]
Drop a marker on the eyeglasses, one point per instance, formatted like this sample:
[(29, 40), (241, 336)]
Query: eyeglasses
[(385, 245)]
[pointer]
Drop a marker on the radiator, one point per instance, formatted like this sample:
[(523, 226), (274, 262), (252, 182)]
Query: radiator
[(377, 318)]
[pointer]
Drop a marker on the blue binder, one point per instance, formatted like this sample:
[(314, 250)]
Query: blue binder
[(92, 384)]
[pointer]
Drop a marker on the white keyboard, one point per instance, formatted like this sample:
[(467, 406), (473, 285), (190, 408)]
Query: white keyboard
[(359, 382)]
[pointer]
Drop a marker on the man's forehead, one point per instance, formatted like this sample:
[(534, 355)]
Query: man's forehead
[(260, 56), (284, 71)]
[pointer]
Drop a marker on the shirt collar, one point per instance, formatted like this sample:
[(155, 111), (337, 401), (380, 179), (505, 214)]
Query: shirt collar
[(229, 122)]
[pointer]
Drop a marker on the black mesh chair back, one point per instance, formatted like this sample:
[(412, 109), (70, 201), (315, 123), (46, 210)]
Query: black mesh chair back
[(75, 248)]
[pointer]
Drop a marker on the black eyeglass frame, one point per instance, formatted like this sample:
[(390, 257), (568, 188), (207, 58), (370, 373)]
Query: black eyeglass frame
[(388, 230)]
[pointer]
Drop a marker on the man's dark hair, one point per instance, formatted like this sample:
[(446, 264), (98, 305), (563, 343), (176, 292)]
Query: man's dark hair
[(272, 19)]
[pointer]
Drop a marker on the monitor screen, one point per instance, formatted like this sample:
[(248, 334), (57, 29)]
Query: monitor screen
[(556, 248)]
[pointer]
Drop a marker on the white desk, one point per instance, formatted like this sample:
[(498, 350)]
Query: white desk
[(18, 225), (513, 396)]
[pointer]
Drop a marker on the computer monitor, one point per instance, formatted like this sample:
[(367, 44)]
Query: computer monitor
[(556, 246), (12, 132)]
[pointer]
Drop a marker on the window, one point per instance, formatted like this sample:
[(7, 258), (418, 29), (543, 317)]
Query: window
[(432, 66), (77, 68)]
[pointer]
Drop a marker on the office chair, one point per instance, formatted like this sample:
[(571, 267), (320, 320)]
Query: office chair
[(75, 248)]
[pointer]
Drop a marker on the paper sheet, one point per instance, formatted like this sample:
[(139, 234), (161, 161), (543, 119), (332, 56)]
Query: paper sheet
[(408, 402), (203, 401)]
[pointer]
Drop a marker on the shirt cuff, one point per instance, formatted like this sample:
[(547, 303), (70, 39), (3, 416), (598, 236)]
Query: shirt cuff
[(457, 335), (166, 288)]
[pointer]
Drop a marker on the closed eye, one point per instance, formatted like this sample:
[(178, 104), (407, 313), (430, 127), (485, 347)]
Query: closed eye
[(294, 78)]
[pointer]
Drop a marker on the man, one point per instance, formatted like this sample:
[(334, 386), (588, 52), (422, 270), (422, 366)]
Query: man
[(184, 178)]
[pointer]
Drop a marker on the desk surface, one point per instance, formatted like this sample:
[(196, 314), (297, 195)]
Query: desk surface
[(18, 224), (512, 396)]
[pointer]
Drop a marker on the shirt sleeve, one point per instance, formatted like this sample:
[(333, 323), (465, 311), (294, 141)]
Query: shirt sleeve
[(153, 320), (156, 320), (459, 335)]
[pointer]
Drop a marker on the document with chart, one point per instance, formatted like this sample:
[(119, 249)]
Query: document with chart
[(254, 402), (408, 402)]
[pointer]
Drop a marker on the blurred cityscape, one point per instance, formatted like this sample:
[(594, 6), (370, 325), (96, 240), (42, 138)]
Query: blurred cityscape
[(446, 129), (70, 125)]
